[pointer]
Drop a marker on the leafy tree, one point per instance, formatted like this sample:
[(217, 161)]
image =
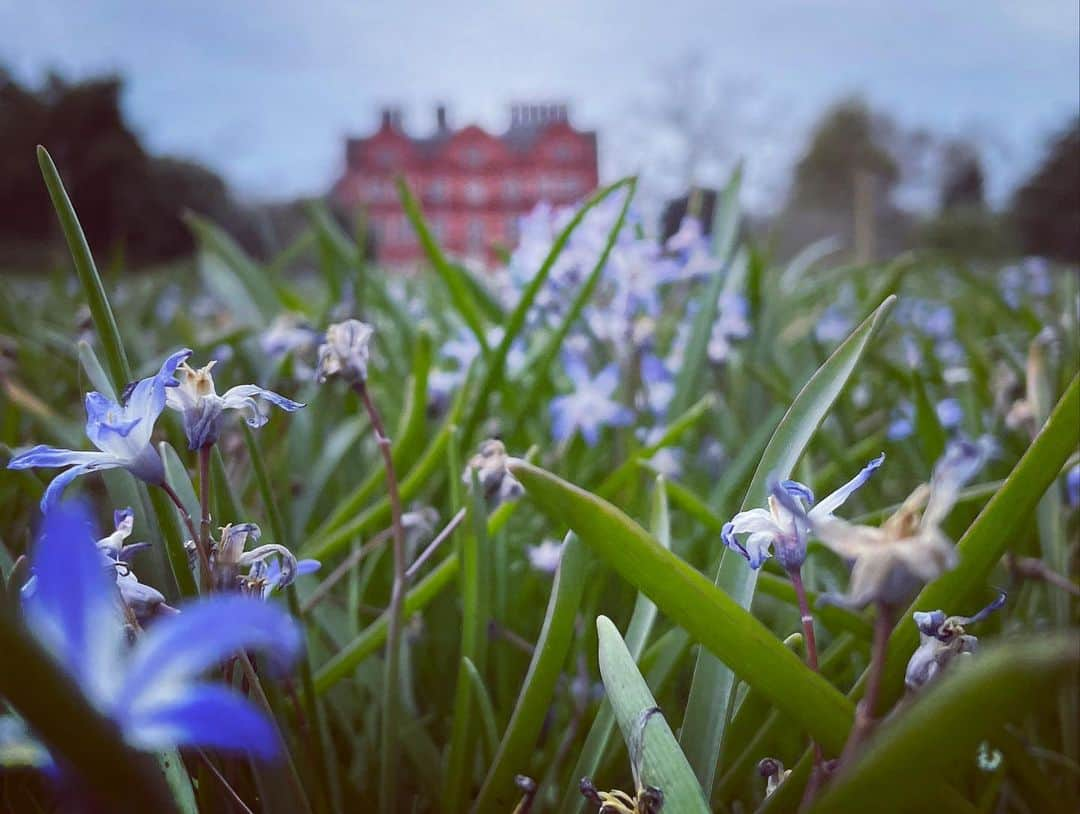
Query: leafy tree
[(125, 197), (1046, 208), (850, 141), (962, 178)]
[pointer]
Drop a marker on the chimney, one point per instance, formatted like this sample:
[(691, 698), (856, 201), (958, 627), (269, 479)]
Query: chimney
[(387, 117), (440, 117), (561, 113), (395, 118)]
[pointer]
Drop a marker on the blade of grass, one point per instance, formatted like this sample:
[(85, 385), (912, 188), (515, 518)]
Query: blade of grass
[(552, 646), (638, 631), (648, 736)]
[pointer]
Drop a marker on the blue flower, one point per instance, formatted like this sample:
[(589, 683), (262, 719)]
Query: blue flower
[(144, 601), (786, 524), (270, 566), (1072, 486), (120, 431), (155, 691), (590, 407), (202, 408)]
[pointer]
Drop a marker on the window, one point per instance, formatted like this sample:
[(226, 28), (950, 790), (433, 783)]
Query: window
[(511, 190), (385, 156), (565, 152), (476, 235), (475, 192), (437, 190), (473, 155)]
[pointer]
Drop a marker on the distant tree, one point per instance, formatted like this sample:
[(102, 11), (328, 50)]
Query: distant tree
[(1046, 208), (124, 196), (962, 179), (849, 142)]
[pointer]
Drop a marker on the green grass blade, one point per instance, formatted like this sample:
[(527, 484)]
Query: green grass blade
[(534, 700), (638, 631), (691, 601), (100, 311), (487, 711), (713, 683), (942, 728), (462, 295), (662, 763)]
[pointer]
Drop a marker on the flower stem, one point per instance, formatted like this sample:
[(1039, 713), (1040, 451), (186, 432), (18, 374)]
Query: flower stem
[(795, 575), (204, 504), (395, 615), (864, 712), (204, 561)]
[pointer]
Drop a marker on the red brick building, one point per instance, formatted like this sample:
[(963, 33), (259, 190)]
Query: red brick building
[(473, 186)]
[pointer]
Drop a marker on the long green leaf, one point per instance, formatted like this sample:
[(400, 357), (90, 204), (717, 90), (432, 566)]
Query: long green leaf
[(637, 635), (100, 311), (534, 700), (941, 730), (648, 736), (713, 683), (687, 598)]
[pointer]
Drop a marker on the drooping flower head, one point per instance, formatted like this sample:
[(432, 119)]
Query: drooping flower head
[(785, 525), (121, 432), (345, 351), (144, 601), (941, 639), (155, 691), (491, 467), (203, 409), (909, 549), (269, 566)]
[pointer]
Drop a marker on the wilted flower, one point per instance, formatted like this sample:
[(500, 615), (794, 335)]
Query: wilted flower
[(546, 556), (774, 772), (786, 524), (345, 351), (491, 465), (121, 432), (154, 692), (909, 549), (942, 639), (590, 407), (270, 566), (202, 408), (144, 601)]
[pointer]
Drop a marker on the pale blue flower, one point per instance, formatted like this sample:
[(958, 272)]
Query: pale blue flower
[(155, 692), (833, 325), (591, 406), (786, 524), (732, 323), (203, 410), (941, 640), (1072, 486), (950, 413), (144, 601), (120, 431)]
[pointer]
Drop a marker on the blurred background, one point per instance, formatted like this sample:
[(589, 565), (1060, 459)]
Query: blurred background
[(885, 125)]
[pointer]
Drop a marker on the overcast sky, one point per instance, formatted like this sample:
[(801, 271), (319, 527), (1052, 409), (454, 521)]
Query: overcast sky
[(265, 91)]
